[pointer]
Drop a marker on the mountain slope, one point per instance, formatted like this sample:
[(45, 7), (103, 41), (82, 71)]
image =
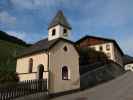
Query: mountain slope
[(6, 37), (9, 47)]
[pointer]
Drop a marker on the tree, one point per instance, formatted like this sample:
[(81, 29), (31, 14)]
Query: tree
[(8, 77), (90, 56)]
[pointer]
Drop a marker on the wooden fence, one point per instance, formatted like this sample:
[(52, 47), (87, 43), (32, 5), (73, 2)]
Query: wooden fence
[(14, 90)]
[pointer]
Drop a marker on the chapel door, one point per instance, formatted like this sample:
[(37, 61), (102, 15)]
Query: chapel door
[(40, 71)]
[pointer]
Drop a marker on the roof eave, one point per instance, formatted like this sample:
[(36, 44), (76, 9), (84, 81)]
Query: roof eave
[(61, 25), (32, 53)]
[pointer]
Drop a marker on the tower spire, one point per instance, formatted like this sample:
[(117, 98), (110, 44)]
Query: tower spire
[(59, 27), (59, 19)]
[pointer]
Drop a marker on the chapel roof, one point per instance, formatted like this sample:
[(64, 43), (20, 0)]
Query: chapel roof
[(59, 19), (40, 46)]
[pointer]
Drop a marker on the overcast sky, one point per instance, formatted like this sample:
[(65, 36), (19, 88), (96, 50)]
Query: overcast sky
[(29, 19)]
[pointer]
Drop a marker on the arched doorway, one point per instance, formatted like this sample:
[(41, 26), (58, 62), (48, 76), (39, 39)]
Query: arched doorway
[(40, 70)]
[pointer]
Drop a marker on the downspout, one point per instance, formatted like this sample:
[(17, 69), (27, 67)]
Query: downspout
[(48, 73)]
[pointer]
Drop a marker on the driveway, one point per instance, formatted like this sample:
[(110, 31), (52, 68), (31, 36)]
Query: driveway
[(117, 89)]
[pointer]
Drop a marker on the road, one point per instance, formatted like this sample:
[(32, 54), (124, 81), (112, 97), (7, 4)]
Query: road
[(120, 88)]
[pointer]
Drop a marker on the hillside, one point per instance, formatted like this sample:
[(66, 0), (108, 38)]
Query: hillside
[(9, 47)]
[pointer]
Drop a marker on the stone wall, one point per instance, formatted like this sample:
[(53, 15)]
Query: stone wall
[(102, 74)]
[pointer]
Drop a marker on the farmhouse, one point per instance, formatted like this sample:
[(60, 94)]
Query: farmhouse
[(107, 46), (54, 58)]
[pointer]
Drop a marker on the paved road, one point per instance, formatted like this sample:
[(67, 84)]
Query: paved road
[(117, 89)]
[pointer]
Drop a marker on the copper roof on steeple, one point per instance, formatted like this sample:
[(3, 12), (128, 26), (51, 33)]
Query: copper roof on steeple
[(59, 19)]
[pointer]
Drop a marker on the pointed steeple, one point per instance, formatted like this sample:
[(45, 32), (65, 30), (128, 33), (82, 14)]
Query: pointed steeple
[(59, 19), (59, 27)]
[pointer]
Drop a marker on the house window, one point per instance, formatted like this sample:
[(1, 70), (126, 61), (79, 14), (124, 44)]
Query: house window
[(65, 48), (108, 55), (53, 32), (107, 47), (65, 32), (30, 65), (64, 73), (101, 48)]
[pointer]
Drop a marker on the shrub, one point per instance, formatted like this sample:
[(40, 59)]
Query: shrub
[(90, 56), (8, 77)]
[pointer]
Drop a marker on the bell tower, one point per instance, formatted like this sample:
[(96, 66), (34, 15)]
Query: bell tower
[(59, 27)]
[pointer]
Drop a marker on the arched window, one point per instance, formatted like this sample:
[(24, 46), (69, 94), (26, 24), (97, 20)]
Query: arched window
[(65, 32), (65, 48), (65, 73), (53, 32), (30, 65)]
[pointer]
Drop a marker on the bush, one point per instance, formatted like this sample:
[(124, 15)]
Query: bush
[(90, 56), (8, 77)]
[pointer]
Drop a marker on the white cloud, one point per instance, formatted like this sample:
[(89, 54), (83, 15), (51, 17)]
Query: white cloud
[(28, 37), (6, 19), (21, 35)]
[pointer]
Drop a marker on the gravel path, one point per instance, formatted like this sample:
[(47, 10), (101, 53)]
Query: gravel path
[(117, 89)]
